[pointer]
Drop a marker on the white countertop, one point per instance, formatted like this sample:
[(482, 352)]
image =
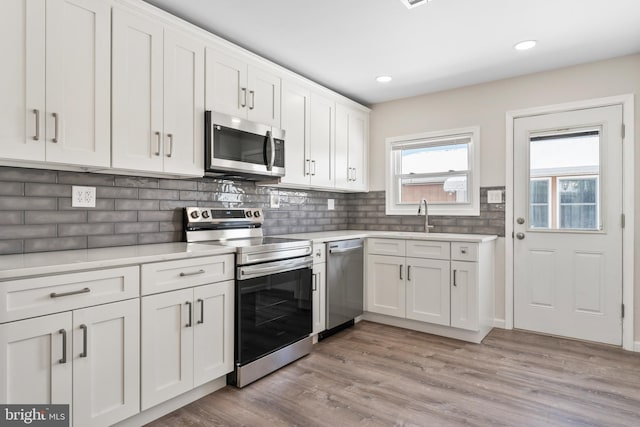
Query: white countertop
[(21, 265), (330, 236)]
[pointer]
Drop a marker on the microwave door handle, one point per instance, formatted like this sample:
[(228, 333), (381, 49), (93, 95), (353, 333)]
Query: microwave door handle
[(270, 157)]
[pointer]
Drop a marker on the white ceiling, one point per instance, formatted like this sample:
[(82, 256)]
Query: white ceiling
[(345, 44)]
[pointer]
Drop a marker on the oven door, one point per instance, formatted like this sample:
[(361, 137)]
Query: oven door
[(236, 145), (273, 307)]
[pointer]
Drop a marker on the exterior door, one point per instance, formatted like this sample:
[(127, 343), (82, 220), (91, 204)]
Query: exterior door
[(568, 231)]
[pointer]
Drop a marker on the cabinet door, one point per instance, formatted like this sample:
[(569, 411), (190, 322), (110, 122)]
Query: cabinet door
[(386, 285), (183, 104), (296, 116), (213, 331), (226, 84), (428, 297), (322, 141), (263, 98), (137, 125), (319, 298), (78, 89), (106, 363), (166, 346), (22, 79), (352, 128), (358, 135), (32, 368), (464, 295)]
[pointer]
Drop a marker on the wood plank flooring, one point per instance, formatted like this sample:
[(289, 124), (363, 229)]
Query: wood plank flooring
[(377, 375)]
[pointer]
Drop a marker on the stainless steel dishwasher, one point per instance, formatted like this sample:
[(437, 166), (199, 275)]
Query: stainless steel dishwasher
[(345, 263)]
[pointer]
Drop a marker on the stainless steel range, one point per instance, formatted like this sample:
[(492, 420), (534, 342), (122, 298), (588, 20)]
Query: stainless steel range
[(273, 317)]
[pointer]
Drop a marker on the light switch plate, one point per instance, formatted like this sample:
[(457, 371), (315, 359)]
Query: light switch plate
[(274, 199), (331, 204), (83, 197), (494, 196)]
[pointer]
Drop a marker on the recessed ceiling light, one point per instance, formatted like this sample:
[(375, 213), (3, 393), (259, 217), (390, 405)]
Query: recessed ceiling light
[(525, 45), (383, 79), (410, 4)]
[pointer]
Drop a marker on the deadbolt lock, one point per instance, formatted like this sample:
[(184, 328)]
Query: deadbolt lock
[(520, 220)]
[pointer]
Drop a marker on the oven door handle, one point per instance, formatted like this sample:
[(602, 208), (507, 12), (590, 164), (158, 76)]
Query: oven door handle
[(251, 271)]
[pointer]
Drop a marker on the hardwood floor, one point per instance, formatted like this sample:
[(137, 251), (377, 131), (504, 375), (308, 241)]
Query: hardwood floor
[(377, 375)]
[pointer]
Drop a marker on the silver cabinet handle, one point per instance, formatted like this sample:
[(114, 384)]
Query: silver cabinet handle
[(37, 113), (313, 163), (157, 143), (64, 346), (455, 282), (401, 267), (314, 282), (463, 251), (409, 273), (55, 127), (84, 340), (189, 304), (66, 294), (201, 301), (252, 93), (307, 167), (192, 273), (170, 136), (244, 94), (355, 174)]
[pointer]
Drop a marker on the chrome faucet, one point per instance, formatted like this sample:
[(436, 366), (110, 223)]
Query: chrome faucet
[(426, 214)]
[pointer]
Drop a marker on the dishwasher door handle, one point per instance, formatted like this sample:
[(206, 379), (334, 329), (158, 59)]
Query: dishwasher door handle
[(341, 251)]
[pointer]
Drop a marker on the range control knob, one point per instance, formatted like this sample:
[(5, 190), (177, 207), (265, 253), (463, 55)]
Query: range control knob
[(205, 214), (195, 214), (256, 214), (249, 214)]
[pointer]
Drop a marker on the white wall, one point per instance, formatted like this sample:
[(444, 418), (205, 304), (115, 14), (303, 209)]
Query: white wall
[(485, 105)]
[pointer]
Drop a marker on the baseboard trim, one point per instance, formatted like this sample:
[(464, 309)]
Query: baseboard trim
[(429, 328), (636, 346), (171, 405), (499, 323)]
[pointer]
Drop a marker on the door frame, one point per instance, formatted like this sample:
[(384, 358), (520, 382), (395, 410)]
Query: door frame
[(628, 233)]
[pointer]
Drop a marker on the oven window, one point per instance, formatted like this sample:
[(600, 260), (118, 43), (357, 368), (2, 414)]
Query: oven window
[(232, 144), (273, 311)]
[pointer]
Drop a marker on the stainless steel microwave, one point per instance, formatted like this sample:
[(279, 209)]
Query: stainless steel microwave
[(236, 147)]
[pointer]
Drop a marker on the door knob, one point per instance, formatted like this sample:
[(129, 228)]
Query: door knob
[(520, 236), (520, 220)]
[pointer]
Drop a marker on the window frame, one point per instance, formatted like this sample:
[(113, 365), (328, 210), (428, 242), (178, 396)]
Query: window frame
[(598, 203), (435, 138), (550, 213)]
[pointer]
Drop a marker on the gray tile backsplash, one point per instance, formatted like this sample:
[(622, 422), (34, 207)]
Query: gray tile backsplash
[(36, 213)]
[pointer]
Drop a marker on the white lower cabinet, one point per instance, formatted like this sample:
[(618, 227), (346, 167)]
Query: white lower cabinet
[(187, 340), (88, 358), (449, 284)]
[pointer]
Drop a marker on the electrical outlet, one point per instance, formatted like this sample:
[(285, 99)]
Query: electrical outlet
[(331, 204), (83, 197), (494, 196), (274, 198)]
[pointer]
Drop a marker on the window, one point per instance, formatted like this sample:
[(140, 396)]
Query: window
[(540, 206), (578, 203), (441, 167)]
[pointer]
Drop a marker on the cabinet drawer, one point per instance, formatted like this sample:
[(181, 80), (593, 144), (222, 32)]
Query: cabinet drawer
[(462, 251), (386, 247), (23, 298), (184, 273), (428, 249), (319, 253)]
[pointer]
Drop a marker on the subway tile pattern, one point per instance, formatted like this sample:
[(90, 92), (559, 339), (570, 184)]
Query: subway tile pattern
[(36, 213), (366, 212)]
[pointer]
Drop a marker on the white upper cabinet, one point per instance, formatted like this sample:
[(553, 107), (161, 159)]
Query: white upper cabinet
[(240, 89), (158, 97), (72, 126), (352, 140), (296, 115), (322, 141)]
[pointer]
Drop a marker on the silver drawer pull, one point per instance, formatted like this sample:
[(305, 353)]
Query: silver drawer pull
[(463, 250), (193, 273), (66, 294), (37, 136)]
